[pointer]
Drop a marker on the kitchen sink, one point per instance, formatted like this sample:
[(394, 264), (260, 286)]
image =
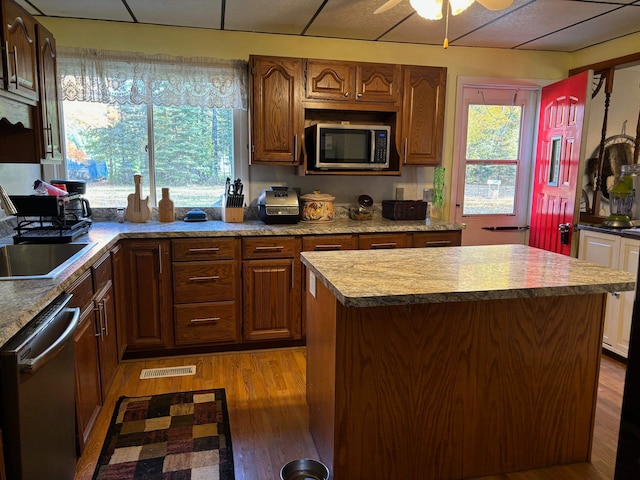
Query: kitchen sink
[(27, 261)]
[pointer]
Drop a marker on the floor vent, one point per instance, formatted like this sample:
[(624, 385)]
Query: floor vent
[(167, 372)]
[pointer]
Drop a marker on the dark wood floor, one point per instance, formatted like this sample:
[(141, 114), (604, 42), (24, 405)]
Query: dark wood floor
[(269, 420)]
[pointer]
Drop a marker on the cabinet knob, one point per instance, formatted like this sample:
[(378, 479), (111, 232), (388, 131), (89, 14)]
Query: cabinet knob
[(346, 94), (359, 95)]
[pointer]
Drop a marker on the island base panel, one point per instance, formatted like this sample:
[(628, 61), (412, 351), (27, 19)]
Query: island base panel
[(452, 390)]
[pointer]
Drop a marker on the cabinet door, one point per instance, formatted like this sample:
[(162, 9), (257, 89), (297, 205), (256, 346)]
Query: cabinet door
[(119, 294), (107, 344), (271, 299), (628, 261), (603, 249), (87, 370), (147, 267), (19, 35), (330, 81), (423, 115), (377, 83), (48, 108), (276, 111)]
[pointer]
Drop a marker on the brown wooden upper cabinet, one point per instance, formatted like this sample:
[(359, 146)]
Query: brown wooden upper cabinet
[(276, 115), (19, 71), (48, 107), (350, 82), (420, 141), (287, 93)]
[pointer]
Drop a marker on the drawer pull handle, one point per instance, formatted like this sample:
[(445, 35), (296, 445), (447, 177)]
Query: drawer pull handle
[(205, 320), (204, 279), (384, 245), (336, 246), (204, 249), (437, 243), (269, 249)]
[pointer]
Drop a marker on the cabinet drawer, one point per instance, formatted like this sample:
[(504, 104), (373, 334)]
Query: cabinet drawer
[(204, 249), (329, 242), (201, 323), (204, 281), (384, 240), (102, 272), (269, 247), (437, 239), (82, 291)]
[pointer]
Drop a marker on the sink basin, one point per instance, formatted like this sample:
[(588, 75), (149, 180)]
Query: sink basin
[(29, 261)]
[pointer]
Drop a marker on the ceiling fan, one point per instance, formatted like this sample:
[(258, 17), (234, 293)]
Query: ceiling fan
[(432, 9)]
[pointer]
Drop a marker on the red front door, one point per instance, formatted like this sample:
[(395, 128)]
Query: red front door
[(557, 174)]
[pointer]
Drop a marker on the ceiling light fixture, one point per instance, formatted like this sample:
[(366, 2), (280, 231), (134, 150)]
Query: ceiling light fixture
[(432, 9)]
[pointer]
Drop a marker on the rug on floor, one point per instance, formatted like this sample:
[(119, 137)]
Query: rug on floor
[(174, 436)]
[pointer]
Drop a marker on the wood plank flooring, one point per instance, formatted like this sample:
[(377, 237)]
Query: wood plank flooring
[(269, 419)]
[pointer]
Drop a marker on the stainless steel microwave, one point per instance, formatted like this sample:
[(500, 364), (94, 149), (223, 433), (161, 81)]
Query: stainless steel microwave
[(348, 146)]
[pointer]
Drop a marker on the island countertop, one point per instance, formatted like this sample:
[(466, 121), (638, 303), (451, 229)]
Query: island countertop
[(360, 278)]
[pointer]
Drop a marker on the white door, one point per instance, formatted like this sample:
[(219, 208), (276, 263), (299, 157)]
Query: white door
[(493, 157)]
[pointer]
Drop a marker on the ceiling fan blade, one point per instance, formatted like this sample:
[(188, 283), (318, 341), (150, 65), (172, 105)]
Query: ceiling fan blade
[(387, 6), (495, 4)]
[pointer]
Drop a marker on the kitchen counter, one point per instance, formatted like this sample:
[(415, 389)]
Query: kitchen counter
[(453, 363), (21, 300), (393, 277)]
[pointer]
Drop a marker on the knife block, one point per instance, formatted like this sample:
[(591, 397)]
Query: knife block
[(232, 215)]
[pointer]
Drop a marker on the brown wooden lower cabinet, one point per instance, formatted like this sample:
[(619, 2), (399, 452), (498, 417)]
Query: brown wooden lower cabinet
[(384, 240), (3, 475), (271, 283), (437, 239), (147, 296)]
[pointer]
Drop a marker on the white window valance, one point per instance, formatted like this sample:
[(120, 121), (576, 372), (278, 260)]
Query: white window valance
[(91, 75)]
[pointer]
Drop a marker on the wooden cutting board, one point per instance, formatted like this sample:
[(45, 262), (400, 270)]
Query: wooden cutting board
[(138, 210)]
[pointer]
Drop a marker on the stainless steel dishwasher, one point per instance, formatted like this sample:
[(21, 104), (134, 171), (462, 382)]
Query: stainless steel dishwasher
[(37, 383)]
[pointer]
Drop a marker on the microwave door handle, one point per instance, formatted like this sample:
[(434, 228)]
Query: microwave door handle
[(373, 147)]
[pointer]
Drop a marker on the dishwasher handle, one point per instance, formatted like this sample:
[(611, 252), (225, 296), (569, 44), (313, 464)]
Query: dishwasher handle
[(32, 365)]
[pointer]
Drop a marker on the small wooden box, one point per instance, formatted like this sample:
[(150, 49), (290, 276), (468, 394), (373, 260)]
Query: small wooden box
[(232, 215)]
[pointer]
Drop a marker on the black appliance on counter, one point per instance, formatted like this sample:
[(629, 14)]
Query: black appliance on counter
[(49, 219), (628, 456), (279, 205)]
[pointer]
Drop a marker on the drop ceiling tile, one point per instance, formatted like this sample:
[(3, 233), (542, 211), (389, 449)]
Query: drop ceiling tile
[(355, 19), (419, 30), (94, 9), (185, 13), (532, 21), (597, 30), (272, 16)]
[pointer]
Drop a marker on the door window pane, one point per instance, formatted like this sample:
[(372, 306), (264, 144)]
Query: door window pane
[(492, 148), (489, 189)]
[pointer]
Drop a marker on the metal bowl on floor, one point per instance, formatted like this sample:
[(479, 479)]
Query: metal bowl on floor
[(304, 469)]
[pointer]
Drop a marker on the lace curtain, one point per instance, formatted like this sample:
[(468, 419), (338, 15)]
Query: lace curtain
[(91, 75)]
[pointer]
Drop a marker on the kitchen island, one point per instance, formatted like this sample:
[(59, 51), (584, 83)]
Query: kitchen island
[(453, 363)]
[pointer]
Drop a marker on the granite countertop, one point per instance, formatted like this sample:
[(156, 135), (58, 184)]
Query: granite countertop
[(633, 232), (21, 300), (371, 278)]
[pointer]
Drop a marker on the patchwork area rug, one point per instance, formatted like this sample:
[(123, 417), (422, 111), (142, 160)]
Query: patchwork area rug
[(175, 436)]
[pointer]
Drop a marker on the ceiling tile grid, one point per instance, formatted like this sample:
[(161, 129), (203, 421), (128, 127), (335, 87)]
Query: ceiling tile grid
[(549, 25)]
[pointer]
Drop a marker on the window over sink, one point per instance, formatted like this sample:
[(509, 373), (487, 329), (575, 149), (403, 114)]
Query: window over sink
[(169, 119)]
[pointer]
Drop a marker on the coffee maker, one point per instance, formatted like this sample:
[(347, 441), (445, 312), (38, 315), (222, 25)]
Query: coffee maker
[(78, 206)]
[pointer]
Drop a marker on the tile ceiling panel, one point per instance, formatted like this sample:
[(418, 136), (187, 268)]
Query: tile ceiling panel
[(94, 9), (627, 21), (420, 30), (185, 13), (532, 21), (355, 19), (273, 16)]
